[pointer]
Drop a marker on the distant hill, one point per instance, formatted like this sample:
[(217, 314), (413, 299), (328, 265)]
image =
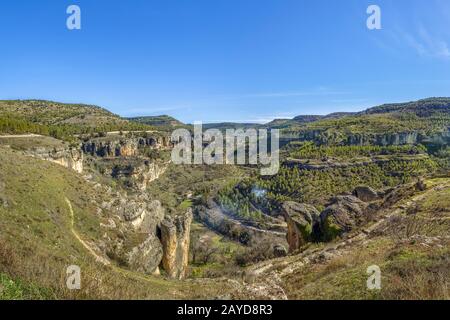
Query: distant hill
[(60, 120), (421, 108), (229, 125), (307, 118), (158, 121), (49, 112)]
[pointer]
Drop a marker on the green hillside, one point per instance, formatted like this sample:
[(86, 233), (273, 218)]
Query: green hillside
[(160, 122), (59, 120)]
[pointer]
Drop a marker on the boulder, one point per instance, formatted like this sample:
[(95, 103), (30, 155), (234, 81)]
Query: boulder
[(147, 256), (366, 194), (302, 221), (343, 214), (175, 238)]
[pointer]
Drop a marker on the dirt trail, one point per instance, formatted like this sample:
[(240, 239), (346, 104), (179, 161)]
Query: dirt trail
[(97, 257), (30, 135)]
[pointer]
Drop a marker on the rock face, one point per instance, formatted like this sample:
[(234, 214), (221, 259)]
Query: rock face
[(366, 194), (140, 175), (147, 256), (342, 215), (175, 238), (122, 146), (66, 157), (323, 136), (167, 238), (140, 211), (303, 221)]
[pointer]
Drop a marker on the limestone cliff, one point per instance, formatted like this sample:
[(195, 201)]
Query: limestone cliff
[(139, 174), (118, 146), (175, 238), (68, 157), (327, 137)]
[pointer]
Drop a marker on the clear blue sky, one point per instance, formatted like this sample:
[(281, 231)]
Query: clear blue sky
[(225, 60)]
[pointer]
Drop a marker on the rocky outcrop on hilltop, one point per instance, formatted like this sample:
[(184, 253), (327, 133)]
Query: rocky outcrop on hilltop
[(175, 239), (65, 156), (302, 220)]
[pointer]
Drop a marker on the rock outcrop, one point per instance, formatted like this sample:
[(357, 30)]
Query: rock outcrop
[(175, 238), (328, 137), (366, 194), (147, 256), (118, 146), (302, 221), (141, 212), (139, 175), (342, 215), (67, 157)]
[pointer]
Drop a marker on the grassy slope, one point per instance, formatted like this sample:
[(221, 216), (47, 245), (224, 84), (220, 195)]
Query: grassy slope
[(36, 244)]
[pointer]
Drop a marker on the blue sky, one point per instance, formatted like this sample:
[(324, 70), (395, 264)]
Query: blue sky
[(225, 60)]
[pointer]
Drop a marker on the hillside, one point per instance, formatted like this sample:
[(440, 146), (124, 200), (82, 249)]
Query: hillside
[(59, 120), (49, 223), (422, 108), (424, 121), (159, 122)]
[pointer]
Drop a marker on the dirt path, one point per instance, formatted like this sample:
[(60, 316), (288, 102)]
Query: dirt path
[(30, 135), (97, 257)]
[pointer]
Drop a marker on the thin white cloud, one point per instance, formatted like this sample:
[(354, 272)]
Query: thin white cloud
[(425, 43), (322, 91)]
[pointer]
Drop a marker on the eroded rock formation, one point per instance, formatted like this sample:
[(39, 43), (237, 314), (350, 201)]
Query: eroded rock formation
[(147, 256), (175, 238), (122, 146), (140, 175), (342, 215), (366, 194), (302, 221), (67, 157)]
